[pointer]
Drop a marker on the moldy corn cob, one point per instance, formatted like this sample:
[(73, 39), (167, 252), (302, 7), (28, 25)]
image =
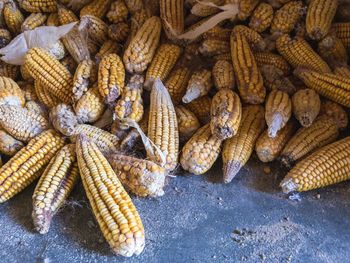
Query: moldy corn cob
[(64, 119), (9, 145), (306, 106), (10, 93), (199, 85)]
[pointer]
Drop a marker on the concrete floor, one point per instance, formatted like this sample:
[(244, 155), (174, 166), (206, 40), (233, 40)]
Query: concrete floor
[(198, 220)]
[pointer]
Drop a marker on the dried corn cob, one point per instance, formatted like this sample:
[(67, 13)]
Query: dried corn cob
[(342, 71), (201, 108), (261, 18), (268, 149), (53, 20), (223, 75), (13, 17), (331, 86), (111, 76), (201, 151), (143, 45), (226, 114), (54, 186), (107, 48), (254, 39), (29, 91), (286, 18), (201, 9), (319, 17), (44, 96), (118, 218), (57, 50), (246, 7), (10, 93), (332, 50), (5, 37), (275, 79), (84, 76), (199, 85), (119, 32), (335, 111), (64, 119), (299, 54), (37, 107), (141, 177), (172, 15), (306, 106), (96, 28), (33, 21), (23, 168), (66, 16), (9, 145), (217, 32), (238, 149), (37, 6), (323, 131), (137, 20), (176, 83), (77, 45), (96, 8), (8, 70), (118, 12), (249, 79), (327, 166), (187, 122), (45, 68), (268, 58), (212, 47)]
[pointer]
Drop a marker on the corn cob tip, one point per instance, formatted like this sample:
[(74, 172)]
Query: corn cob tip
[(230, 170), (288, 185), (275, 125), (42, 222), (64, 119), (191, 95)]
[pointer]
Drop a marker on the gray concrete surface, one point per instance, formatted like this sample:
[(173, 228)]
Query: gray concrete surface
[(198, 220)]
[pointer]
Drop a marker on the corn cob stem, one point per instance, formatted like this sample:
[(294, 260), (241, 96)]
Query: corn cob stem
[(199, 85)]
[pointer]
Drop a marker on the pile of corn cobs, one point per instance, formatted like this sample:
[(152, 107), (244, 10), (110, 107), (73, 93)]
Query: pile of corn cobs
[(111, 102)]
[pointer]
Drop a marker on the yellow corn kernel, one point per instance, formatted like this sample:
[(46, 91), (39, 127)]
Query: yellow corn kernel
[(134, 5), (115, 213), (111, 77), (107, 48), (96, 28), (201, 108), (44, 95), (63, 119), (54, 187), (199, 85), (246, 7), (29, 91), (172, 15), (201, 9), (25, 166), (8, 70), (187, 122), (13, 17), (286, 18), (225, 56), (342, 71), (118, 12), (329, 85), (319, 17), (212, 47), (98, 8), (162, 126), (261, 18), (176, 83), (223, 75), (268, 58), (10, 93), (238, 149), (268, 149), (37, 6), (327, 166), (162, 63), (119, 32), (84, 77), (332, 50), (335, 111), (299, 53), (9, 145), (5, 37), (249, 79), (275, 79), (45, 68), (77, 45), (254, 39), (53, 20), (141, 177), (143, 45), (306, 106), (66, 16), (322, 131), (33, 21), (201, 151)]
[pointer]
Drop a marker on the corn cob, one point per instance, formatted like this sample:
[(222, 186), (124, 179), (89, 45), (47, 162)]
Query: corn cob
[(66, 16), (57, 50), (201, 108), (212, 47), (44, 96), (246, 7), (90, 107), (130, 105), (54, 186), (97, 29), (117, 216), (286, 18), (119, 32), (77, 45), (323, 131), (111, 76), (34, 20), (335, 111), (261, 18), (268, 149), (249, 79), (162, 126), (118, 12), (319, 17), (327, 166), (10, 93), (172, 15), (275, 79), (9, 145), (268, 58), (13, 17), (29, 91), (134, 5), (137, 20), (226, 114), (8, 70), (141, 177), (84, 76), (36, 107), (45, 68), (5, 37), (187, 122), (176, 83), (199, 85), (331, 86), (107, 48), (23, 168), (342, 71), (238, 149), (223, 75), (333, 51), (306, 106), (201, 151), (298, 53), (64, 119), (53, 20), (37, 6), (200, 9), (105, 141), (98, 8), (142, 47), (254, 39)]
